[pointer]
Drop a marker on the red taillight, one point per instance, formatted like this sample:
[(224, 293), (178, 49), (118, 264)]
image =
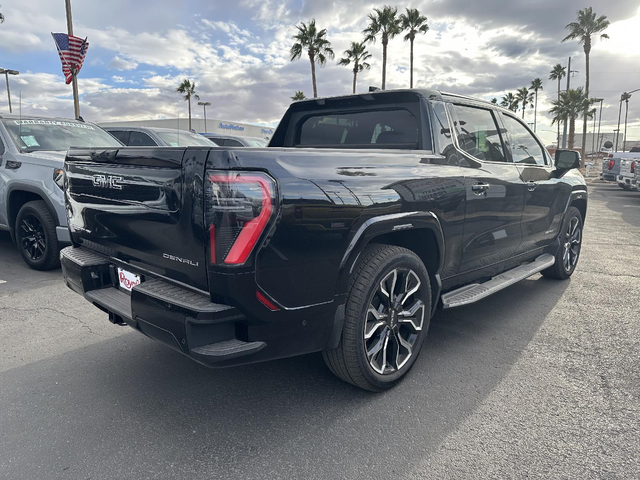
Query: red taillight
[(633, 167), (610, 155), (266, 302), (239, 206), (611, 164)]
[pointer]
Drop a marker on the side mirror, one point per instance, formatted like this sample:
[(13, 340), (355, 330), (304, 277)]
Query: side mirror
[(567, 159)]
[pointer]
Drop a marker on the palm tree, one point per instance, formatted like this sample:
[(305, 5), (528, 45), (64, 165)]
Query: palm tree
[(414, 23), (625, 98), (387, 24), (188, 89), (358, 55), (510, 101), (586, 26), (494, 100), (524, 97), (571, 105), (558, 72), (536, 85), (318, 48), (299, 95)]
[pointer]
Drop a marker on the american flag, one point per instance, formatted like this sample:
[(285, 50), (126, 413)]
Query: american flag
[(72, 51)]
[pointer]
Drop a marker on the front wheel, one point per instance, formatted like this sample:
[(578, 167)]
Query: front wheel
[(570, 245), (36, 236), (386, 319)]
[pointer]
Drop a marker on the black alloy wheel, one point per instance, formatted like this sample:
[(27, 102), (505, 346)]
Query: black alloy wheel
[(35, 232), (32, 237)]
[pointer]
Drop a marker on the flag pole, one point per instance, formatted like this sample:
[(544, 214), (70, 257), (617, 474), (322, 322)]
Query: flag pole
[(76, 103)]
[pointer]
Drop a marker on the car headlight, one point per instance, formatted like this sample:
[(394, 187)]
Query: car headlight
[(58, 177)]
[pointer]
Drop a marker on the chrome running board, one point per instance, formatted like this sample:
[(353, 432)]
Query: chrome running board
[(477, 291)]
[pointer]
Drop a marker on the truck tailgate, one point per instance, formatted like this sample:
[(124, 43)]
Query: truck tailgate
[(142, 206)]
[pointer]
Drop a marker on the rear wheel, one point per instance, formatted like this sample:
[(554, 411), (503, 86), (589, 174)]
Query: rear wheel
[(570, 244), (386, 319), (36, 236)]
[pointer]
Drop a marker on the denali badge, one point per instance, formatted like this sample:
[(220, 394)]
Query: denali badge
[(107, 181), (179, 259)]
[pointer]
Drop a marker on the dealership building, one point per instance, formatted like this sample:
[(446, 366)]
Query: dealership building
[(213, 126)]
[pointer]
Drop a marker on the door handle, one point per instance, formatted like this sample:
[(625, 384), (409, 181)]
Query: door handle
[(531, 185), (480, 188)]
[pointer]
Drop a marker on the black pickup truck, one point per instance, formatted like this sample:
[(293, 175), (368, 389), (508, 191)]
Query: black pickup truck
[(364, 215)]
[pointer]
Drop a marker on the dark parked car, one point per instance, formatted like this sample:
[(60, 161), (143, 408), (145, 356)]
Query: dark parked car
[(233, 141), (152, 136), (365, 215)]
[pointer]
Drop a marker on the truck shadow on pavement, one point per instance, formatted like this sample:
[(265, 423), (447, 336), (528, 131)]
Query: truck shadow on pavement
[(132, 400)]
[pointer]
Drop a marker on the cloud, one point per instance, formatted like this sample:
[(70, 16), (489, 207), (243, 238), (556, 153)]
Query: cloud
[(121, 64), (238, 54)]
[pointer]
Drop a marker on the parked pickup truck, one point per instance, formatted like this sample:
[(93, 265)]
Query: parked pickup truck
[(365, 214), (32, 151), (616, 166), (627, 177)]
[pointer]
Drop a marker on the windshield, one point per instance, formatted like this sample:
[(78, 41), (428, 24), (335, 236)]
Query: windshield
[(183, 139), (32, 135), (256, 142)]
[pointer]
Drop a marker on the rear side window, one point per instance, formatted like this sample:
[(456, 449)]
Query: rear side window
[(139, 139), (120, 135), (525, 148), (477, 133), (394, 128)]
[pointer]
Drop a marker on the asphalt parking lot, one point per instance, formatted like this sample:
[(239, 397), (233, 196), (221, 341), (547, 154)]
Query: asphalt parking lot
[(540, 380)]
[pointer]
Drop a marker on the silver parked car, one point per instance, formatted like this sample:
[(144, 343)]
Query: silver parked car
[(160, 137), (32, 151), (233, 141)]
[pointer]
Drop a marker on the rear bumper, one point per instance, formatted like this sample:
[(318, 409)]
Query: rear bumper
[(188, 321), (627, 180), (182, 319)]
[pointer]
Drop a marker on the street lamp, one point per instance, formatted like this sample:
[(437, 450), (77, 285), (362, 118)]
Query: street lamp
[(593, 139), (6, 75), (204, 107), (624, 97)]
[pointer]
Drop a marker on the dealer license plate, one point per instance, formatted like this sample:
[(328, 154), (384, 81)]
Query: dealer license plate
[(128, 280)]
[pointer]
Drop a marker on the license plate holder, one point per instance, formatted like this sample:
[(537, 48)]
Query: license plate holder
[(128, 280)]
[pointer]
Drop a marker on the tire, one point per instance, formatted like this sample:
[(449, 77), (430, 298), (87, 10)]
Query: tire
[(570, 244), (367, 314), (36, 236)]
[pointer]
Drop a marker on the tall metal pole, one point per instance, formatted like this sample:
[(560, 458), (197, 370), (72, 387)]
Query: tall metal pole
[(626, 114), (205, 118), (599, 121), (564, 128), (619, 113), (76, 102), (6, 76)]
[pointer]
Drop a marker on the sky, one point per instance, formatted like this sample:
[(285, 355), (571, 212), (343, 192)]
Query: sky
[(238, 55)]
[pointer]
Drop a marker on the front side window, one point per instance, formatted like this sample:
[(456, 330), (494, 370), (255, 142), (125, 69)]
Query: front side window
[(37, 134), (394, 128), (477, 133), (525, 148)]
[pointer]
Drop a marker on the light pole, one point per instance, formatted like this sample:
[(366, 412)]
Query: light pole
[(624, 98), (204, 107), (6, 76), (599, 121)]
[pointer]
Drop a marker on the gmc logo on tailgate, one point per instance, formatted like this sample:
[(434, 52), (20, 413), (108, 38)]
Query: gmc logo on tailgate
[(107, 181)]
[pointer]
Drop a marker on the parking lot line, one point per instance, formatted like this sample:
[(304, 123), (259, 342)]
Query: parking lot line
[(3, 281)]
